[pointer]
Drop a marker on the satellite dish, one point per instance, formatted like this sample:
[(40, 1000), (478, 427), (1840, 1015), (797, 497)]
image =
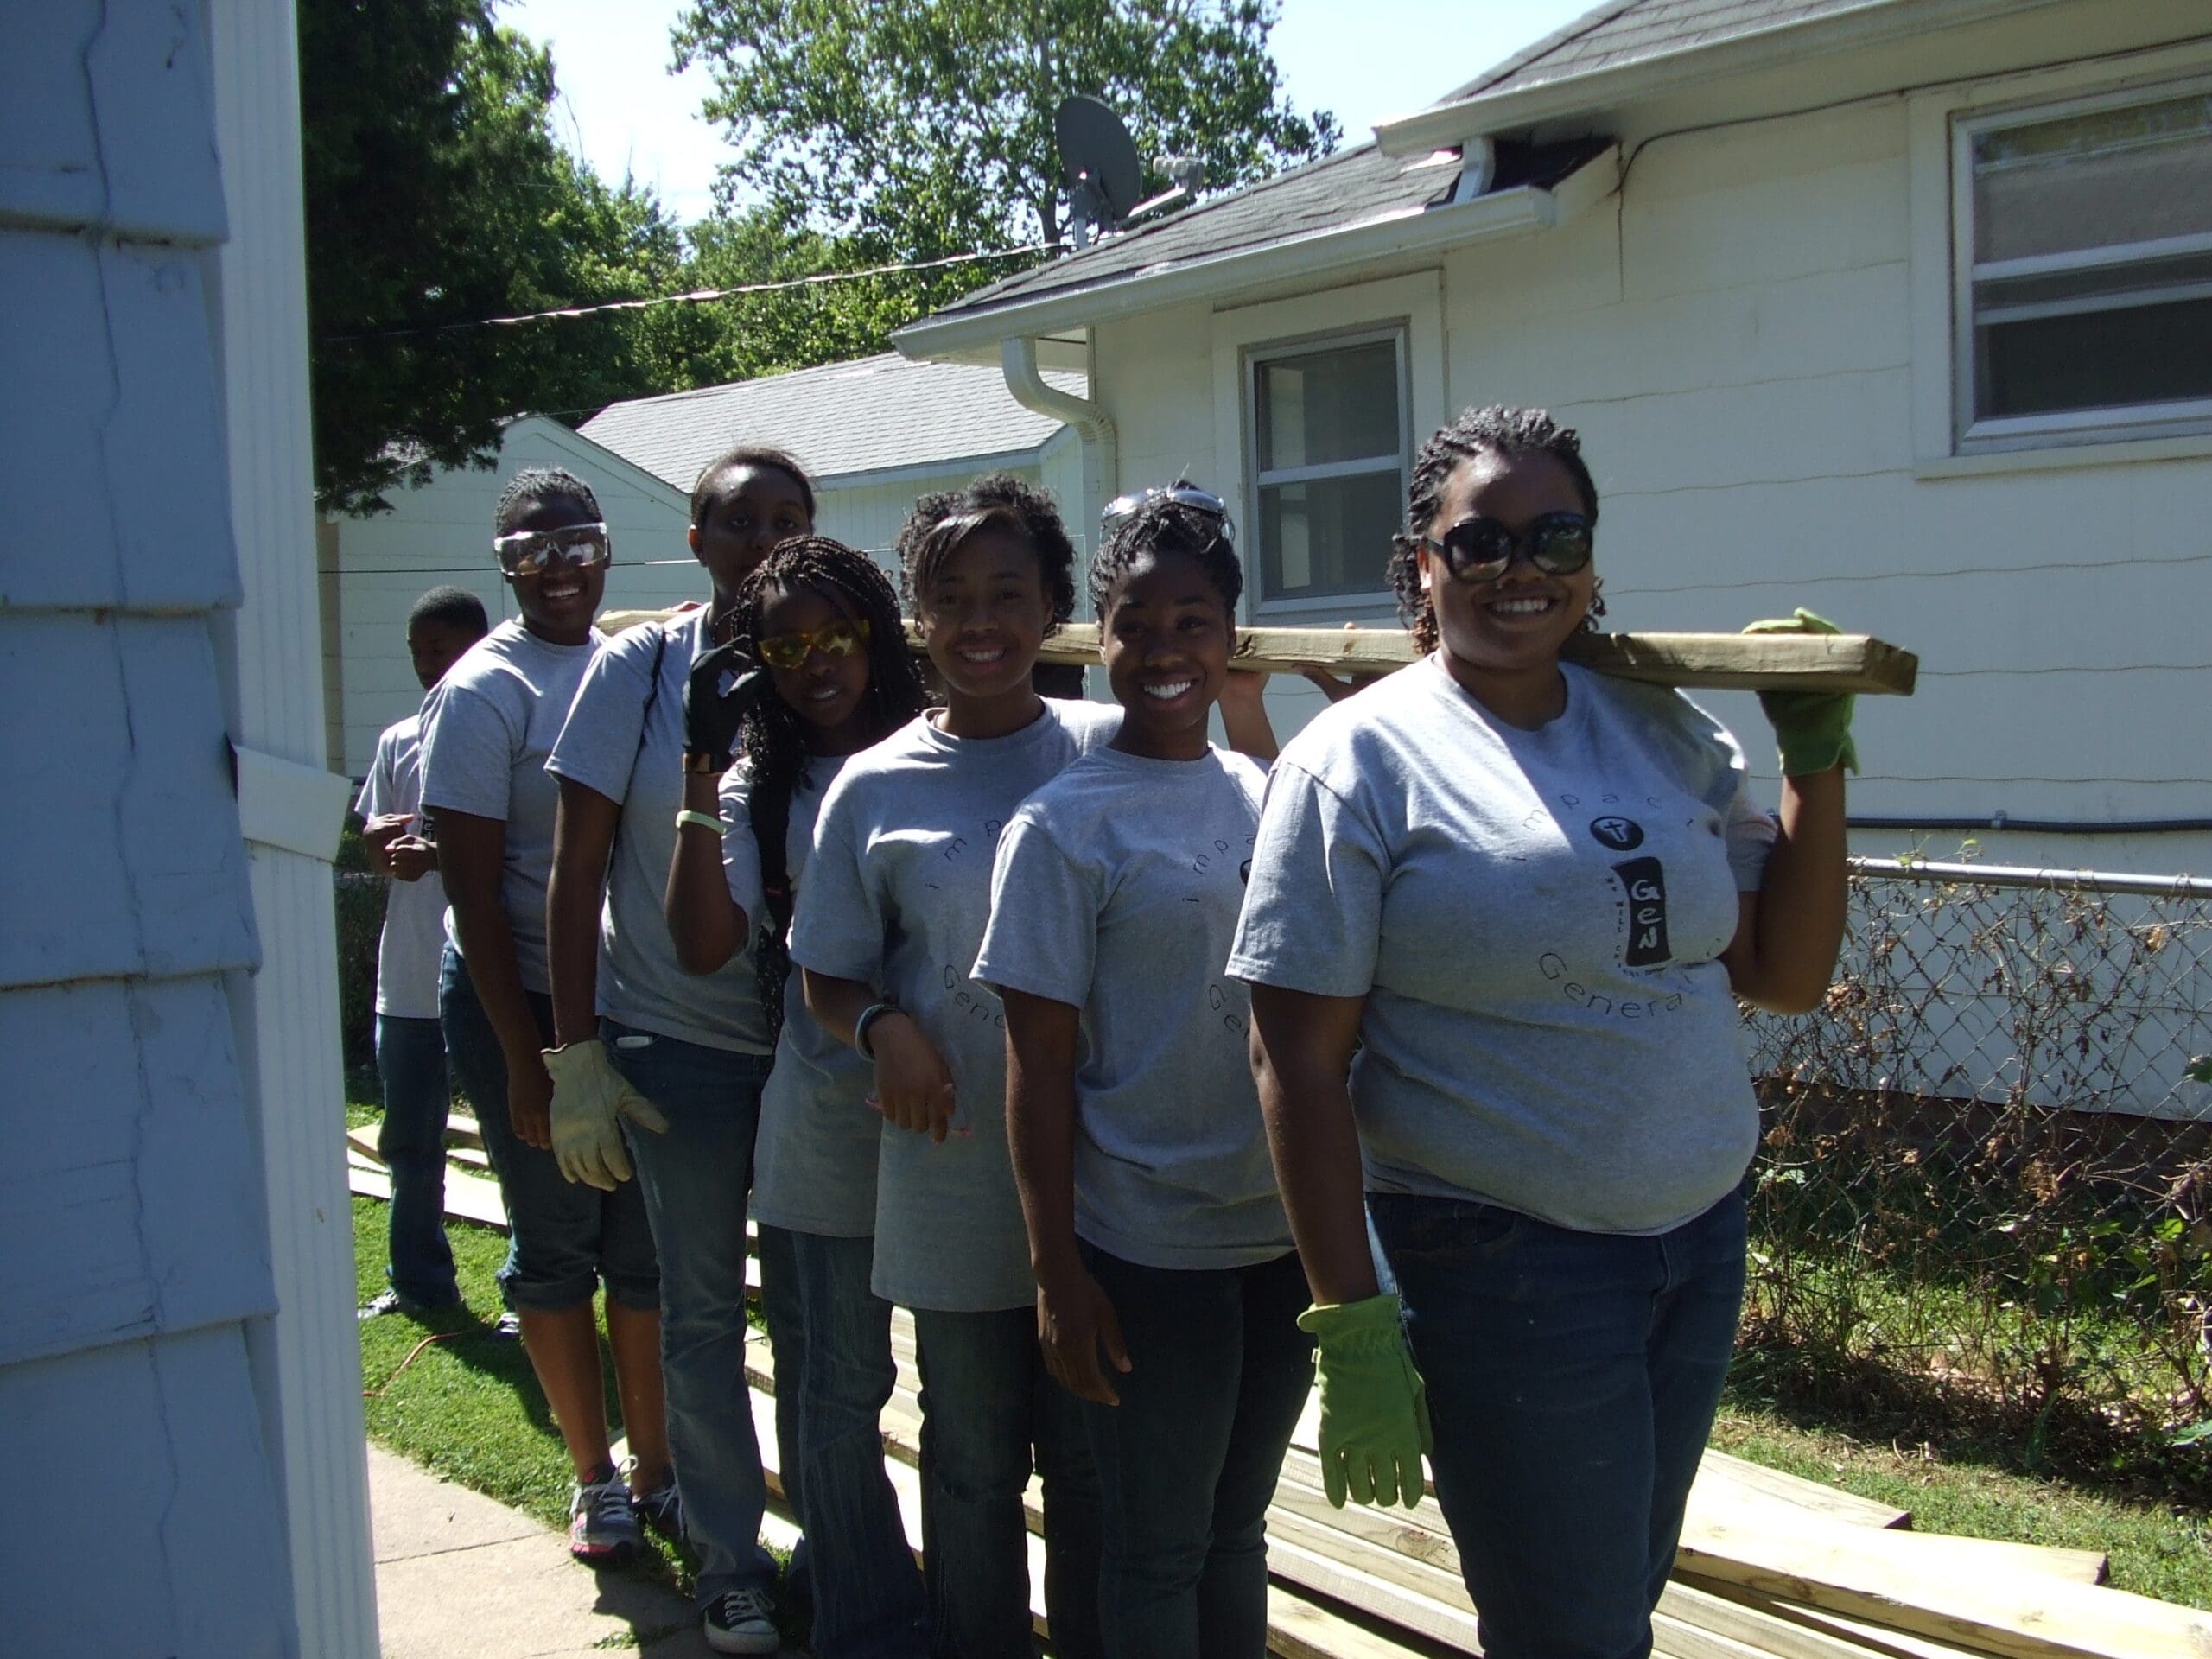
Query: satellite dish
[(1099, 163)]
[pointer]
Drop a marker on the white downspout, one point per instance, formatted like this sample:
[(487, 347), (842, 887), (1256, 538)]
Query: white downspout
[(1094, 429)]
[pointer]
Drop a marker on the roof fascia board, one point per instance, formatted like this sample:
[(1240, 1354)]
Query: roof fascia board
[(1488, 115), (1518, 212), (966, 465), (593, 453)]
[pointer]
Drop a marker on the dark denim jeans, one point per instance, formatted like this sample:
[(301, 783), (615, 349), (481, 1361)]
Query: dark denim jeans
[(1572, 1378), (987, 1401), (412, 1140), (694, 1176), (868, 1600), (563, 1237), (1218, 1374)]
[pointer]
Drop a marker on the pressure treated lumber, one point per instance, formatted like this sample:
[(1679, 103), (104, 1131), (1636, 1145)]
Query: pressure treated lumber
[(2022, 1615), (1855, 663)]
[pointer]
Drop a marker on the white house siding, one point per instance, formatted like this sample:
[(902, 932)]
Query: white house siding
[(1735, 337), (374, 568), (140, 1340), (441, 533)]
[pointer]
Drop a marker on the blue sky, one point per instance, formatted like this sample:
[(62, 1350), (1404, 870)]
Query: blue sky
[(1363, 59)]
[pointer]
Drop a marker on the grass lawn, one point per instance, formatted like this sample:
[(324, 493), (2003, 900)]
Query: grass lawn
[(468, 1408)]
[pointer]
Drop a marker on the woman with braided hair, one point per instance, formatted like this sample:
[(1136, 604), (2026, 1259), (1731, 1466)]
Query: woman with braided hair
[(1501, 912), (676, 1060), (834, 676)]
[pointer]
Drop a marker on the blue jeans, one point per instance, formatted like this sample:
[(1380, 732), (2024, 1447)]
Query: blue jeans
[(1572, 1378), (694, 1176), (1187, 1463), (987, 1401), (412, 1140), (563, 1237), (868, 1600)]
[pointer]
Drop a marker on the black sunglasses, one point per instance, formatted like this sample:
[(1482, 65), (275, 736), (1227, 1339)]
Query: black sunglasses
[(1482, 550)]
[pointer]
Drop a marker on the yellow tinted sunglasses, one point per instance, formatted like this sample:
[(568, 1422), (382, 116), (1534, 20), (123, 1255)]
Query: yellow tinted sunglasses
[(790, 649)]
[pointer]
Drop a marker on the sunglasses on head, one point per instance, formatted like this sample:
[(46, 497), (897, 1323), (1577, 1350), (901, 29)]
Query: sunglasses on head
[(528, 552), (1482, 550), (1122, 508), (790, 649)]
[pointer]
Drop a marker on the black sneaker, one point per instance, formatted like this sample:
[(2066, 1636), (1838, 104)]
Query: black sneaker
[(738, 1621)]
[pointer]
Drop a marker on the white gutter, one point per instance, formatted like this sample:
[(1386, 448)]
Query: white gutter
[(1504, 213), (1875, 24), (1094, 427)]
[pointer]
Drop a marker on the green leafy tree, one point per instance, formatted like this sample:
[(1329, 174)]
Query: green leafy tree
[(915, 129), (436, 195)]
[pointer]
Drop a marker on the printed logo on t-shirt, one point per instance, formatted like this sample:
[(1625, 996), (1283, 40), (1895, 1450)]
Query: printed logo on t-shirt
[(1622, 835), (1645, 881)]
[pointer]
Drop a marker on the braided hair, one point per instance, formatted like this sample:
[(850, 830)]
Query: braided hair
[(943, 521), (772, 735), (1165, 525), (1496, 430), (534, 484)]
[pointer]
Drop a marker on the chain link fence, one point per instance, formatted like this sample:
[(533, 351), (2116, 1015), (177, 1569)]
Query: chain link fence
[(1987, 1165)]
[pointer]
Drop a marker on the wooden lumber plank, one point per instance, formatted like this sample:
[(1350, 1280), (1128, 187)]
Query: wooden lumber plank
[(1726, 1476), (1854, 663), (461, 1130), (1789, 1626), (2022, 1615), (469, 1197)]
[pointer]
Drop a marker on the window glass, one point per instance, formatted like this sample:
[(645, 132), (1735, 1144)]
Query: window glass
[(2090, 282), (1328, 536), (1327, 406)]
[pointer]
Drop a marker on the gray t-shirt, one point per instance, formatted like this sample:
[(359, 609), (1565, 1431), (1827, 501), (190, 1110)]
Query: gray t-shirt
[(814, 1159), (414, 912), (1535, 920), (896, 894), (611, 745), (486, 730), (1117, 891)]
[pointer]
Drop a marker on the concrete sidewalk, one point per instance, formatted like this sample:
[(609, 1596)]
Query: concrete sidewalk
[(458, 1574)]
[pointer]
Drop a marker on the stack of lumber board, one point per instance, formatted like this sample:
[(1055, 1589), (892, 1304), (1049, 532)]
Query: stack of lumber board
[(1856, 663), (1770, 1565)]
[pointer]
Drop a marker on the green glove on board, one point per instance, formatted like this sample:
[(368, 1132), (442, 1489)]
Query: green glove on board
[(1813, 729), (1374, 1406)]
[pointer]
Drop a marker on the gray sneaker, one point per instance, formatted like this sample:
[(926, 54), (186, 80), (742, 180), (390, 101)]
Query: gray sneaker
[(602, 1525), (738, 1621)]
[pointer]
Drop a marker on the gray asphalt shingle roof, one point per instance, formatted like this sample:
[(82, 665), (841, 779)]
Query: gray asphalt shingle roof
[(863, 416), (1627, 31), (1361, 183)]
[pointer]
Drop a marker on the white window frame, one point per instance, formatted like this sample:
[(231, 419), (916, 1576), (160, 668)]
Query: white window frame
[(1255, 358), (1971, 435)]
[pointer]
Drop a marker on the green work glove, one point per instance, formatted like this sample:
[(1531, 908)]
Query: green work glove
[(1812, 727), (589, 1097), (1373, 1407)]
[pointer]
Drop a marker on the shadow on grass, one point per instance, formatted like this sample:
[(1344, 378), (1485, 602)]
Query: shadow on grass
[(2063, 1440)]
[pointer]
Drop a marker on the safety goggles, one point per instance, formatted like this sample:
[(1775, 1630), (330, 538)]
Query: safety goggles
[(528, 552), (790, 650), (1122, 508), (1482, 550)]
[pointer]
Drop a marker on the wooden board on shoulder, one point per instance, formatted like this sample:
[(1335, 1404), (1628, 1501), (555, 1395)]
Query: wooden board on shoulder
[(1854, 662)]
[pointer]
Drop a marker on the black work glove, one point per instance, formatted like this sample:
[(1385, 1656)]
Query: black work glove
[(712, 715)]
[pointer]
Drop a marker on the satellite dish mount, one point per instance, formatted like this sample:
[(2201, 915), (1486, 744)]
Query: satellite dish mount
[(1098, 162)]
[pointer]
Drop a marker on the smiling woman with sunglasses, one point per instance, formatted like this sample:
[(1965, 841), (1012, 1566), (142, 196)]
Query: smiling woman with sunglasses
[(1501, 912)]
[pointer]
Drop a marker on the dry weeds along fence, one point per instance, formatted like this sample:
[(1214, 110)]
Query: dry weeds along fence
[(1988, 1167)]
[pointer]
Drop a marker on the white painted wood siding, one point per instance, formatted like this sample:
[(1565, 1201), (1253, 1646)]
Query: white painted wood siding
[(375, 569), (1734, 337)]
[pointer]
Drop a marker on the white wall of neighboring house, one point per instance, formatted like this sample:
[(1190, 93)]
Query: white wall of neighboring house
[(1753, 339), (373, 569)]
